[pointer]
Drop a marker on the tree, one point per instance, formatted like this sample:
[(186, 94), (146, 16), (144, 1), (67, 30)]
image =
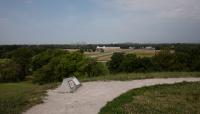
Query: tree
[(181, 62), (43, 58), (60, 66), (163, 60), (131, 63), (146, 64), (116, 60), (22, 56)]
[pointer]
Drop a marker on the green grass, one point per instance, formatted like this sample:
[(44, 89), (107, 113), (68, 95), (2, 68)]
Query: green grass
[(182, 98), (17, 97), (133, 76)]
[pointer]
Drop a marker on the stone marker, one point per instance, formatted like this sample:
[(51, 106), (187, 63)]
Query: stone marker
[(69, 85)]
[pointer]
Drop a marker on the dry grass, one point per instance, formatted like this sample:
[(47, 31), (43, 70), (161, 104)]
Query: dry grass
[(107, 54)]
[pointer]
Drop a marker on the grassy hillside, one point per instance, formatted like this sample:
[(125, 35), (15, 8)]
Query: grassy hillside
[(16, 97), (182, 98)]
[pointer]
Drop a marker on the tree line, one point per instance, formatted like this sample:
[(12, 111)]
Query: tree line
[(45, 65), (183, 58)]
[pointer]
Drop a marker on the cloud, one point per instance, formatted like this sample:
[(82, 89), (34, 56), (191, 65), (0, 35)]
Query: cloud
[(159, 8), (105, 21), (3, 20), (28, 1)]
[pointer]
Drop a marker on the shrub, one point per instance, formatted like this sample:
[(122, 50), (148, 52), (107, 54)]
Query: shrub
[(43, 58), (130, 63), (115, 63), (94, 68), (44, 75), (9, 71), (163, 60), (22, 56), (146, 64), (66, 65)]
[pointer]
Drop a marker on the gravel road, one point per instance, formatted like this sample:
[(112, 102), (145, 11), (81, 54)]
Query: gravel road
[(92, 96)]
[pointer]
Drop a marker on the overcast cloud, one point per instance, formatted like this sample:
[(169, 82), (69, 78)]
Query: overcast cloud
[(99, 21)]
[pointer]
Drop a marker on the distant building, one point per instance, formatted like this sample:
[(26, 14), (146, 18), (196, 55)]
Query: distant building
[(99, 47), (106, 48), (149, 48), (131, 47)]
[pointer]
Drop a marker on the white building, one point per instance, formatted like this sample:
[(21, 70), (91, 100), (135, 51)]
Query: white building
[(149, 48), (107, 48)]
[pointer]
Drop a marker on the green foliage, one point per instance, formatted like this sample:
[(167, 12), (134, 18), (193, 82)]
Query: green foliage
[(49, 64), (180, 62), (146, 64), (44, 57), (22, 56), (44, 75), (130, 63), (115, 64), (165, 60), (94, 68), (68, 64), (9, 71), (88, 48)]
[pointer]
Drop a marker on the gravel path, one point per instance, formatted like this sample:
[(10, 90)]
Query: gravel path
[(92, 96)]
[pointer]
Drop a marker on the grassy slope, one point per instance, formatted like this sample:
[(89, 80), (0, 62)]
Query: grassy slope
[(182, 98), (17, 97), (132, 76)]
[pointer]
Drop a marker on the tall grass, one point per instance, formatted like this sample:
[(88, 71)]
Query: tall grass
[(17, 97)]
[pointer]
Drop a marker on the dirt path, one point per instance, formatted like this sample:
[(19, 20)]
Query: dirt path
[(92, 96)]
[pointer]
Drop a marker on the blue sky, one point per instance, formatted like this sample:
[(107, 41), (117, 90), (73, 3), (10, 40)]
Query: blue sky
[(99, 21)]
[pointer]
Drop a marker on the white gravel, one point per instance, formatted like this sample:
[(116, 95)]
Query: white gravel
[(92, 96)]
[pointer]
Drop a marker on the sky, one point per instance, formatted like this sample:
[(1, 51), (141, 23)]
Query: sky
[(99, 21)]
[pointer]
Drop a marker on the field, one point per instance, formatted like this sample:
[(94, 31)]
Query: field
[(17, 97), (106, 55), (182, 98), (133, 76)]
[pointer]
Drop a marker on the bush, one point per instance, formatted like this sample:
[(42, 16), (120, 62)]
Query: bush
[(94, 68), (44, 75), (115, 64), (130, 63), (146, 64), (43, 58), (66, 65), (163, 60), (9, 71)]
